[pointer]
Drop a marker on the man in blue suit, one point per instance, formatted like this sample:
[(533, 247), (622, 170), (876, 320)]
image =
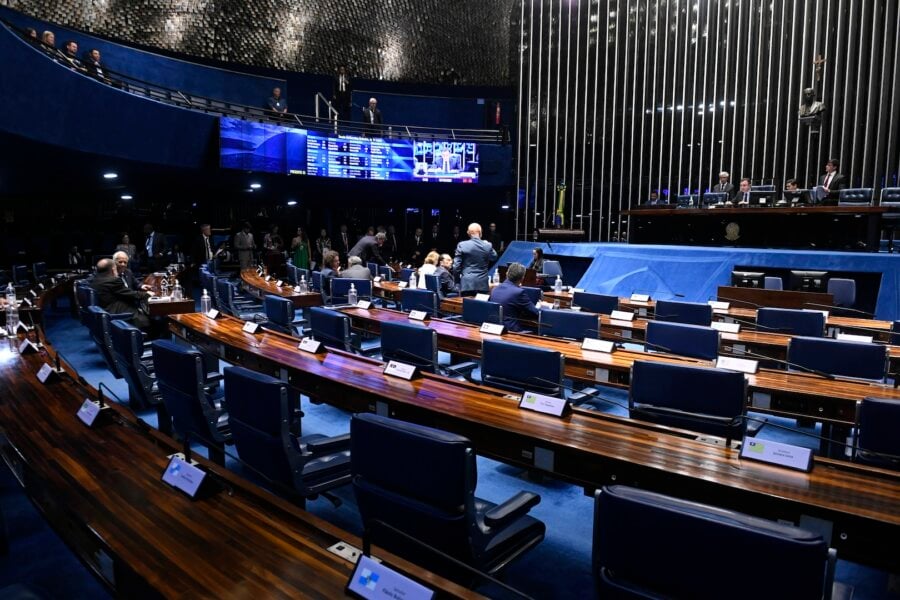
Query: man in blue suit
[(517, 307), (472, 261)]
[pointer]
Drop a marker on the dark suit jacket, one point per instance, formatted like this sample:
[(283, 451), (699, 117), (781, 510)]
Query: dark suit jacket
[(416, 248), (344, 249), (367, 249), (367, 117), (838, 183), (154, 261), (472, 261), (445, 278), (129, 279), (198, 250), (114, 297), (516, 305), (728, 188)]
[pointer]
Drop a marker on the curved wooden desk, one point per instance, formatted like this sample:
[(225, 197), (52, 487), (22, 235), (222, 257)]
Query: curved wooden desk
[(259, 287)]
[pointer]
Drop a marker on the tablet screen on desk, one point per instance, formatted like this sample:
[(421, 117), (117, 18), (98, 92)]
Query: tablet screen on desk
[(371, 579)]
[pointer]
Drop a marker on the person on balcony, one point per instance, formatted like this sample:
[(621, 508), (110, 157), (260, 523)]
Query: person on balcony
[(277, 103)]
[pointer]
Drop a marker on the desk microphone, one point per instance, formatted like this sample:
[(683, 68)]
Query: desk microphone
[(840, 309), (783, 362), (756, 325), (736, 301), (569, 388)]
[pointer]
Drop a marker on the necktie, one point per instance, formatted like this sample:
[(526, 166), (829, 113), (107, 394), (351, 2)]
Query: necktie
[(208, 249), (746, 196), (150, 244)]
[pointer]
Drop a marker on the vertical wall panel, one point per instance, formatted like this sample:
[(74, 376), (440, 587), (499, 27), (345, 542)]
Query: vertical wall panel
[(622, 97)]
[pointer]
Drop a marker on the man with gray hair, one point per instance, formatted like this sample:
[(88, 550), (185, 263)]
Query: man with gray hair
[(355, 269), (372, 118), (472, 260), (368, 249), (724, 186), (125, 274), (114, 297), (518, 311)]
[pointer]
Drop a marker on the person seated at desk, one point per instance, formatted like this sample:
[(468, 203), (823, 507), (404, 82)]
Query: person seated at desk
[(743, 195), (114, 296), (445, 277), (792, 194), (125, 274), (537, 260), (331, 267), (428, 268), (356, 270), (653, 200), (517, 306)]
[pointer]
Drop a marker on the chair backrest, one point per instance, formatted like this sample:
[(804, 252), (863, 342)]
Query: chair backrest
[(39, 270), (405, 273), (330, 327), (127, 345), (416, 299), (595, 303), (481, 311), (701, 399), (895, 332), (844, 291), (417, 479), (225, 291), (433, 284), (839, 357), (773, 283), (290, 273), (85, 296), (696, 341), (99, 326), (340, 287), (279, 310), (180, 376), (533, 293), (410, 343), (890, 196), (518, 368), (877, 441), (386, 273), (693, 313), (316, 281), (20, 274), (855, 197), (552, 268), (373, 268), (639, 551), (568, 324), (790, 321)]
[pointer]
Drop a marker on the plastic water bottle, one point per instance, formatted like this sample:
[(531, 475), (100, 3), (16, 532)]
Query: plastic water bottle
[(177, 292), (557, 285), (412, 281), (12, 318), (352, 298), (164, 287), (497, 276), (10, 295), (205, 302), (303, 287)]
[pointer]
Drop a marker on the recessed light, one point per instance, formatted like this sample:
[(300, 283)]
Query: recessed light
[(126, 197), (292, 203), (110, 175), (505, 207), (255, 186)]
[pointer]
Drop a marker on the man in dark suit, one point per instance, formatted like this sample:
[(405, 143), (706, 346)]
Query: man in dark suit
[(202, 252), (125, 274), (517, 306), (724, 186), (743, 195), (368, 249), (153, 248), (114, 296), (472, 260), (277, 104), (341, 93), (372, 118), (445, 277), (392, 243), (830, 184), (344, 243)]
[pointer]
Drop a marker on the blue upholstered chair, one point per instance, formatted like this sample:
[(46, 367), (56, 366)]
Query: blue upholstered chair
[(890, 199), (340, 287), (877, 442), (481, 311), (790, 321), (551, 269), (570, 324), (518, 368), (279, 314), (331, 328), (410, 343), (773, 283), (702, 399), (692, 313), (687, 340), (844, 291), (405, 273), (230, 304), (647, 545), (128, 351), (534, 293), (433, 284), (422, 481), (386, 273), (180, 373), (20, 275), (39, 271), (99, 324), (416, 299), (838, 357), (85, 296), (373, 268), (856, 197), (262, 412), (595, 303)]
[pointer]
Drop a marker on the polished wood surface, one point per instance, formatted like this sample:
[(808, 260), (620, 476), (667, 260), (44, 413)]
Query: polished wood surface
[(389, 290), (161, 308), (747, 297), (590, 450), (258, 286)]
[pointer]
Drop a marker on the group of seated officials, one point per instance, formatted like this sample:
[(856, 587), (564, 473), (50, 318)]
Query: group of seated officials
[(826, 191)]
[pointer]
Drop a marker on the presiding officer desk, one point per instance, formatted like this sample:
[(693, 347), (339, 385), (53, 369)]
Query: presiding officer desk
[(790, 394), (862, 503), (101, 490)]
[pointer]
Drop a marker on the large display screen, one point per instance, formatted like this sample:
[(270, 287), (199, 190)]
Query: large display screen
[(276, 149)]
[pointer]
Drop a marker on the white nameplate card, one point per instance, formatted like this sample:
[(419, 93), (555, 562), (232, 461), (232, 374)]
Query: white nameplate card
[(26, 301), (212, 313), (418, 315), (777, 453), (45, 372), (27, 347), (492, 328), (640, 297), (598, 345), (742, 365), (577, 290), (726, 327), (33, 293), (719, 305), (401, 284), (482, 297), (268, 278), (41, 285), (544, 305), (279, 283), (549, 405), (250, 327), (183, 476), (399, 369), (377, 279), (847, 337), (364, 304), (621, 315), (310, 345), (373, 580), (88, 412)]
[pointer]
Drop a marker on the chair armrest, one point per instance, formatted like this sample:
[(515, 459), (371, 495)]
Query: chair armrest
[(121, 316), (213, 377), (328, 445), (583, 395), (512, 509)]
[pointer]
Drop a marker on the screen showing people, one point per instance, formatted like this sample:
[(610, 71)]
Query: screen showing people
[(446, 161)]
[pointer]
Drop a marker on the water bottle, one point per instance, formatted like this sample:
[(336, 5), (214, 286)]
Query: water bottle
[(303, 287), (496, 276), (412, 280), (351, 295), (177, 293), (556, 305), (10, 295), (205, 302), (164, 287), (12, 318), (557, 285)]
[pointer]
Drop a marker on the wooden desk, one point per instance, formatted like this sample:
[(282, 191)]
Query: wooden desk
[(589, 450), (260, 288), (746, 297), (161, 308), (388, 290)]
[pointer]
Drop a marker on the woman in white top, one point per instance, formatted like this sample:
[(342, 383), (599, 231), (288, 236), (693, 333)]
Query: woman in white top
[(428, 267)]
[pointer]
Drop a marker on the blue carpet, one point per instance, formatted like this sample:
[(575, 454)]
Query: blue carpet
[(558, 567)]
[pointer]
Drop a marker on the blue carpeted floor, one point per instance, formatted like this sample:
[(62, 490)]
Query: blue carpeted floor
[(557, 568)]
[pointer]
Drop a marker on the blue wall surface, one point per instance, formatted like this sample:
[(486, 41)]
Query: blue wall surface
[(668, 271)]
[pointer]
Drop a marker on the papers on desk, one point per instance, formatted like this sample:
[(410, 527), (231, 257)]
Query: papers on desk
[(726, 327), (847, 337), (719, 305)]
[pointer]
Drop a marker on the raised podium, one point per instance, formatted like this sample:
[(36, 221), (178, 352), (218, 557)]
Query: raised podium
[(559, 235)]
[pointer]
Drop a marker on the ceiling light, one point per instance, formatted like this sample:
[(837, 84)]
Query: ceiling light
[(255, 186), (110, 175), (127, 197), (292, 203)]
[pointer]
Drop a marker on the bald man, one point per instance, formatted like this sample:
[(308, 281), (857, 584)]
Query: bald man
[(471, 263), (372, 118)]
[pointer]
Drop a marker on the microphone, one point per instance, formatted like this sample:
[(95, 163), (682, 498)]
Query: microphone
[(756, 325), (840, 309), (784, 362), (573, 390), (736, 301)]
